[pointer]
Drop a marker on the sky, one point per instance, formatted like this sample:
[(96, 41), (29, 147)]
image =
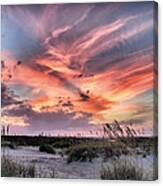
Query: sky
[(67, 69)]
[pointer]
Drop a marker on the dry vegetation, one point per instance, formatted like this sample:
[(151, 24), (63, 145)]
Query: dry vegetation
[(122, 170), (117, 141), (9, 168)]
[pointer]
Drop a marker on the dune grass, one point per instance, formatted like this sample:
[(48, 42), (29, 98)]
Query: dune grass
[(122, 170), (9, 168)]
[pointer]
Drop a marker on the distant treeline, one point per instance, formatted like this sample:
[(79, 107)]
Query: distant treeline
[(64, 141)]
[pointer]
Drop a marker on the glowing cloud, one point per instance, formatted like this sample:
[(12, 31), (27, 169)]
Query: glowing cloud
[(97, 64)]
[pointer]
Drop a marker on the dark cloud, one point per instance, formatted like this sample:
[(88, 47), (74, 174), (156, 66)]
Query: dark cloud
[(8, 97), (67, 104), (120, 52), (38, 67), (75, 65), (50, 120), (84, 97), (67, 84)]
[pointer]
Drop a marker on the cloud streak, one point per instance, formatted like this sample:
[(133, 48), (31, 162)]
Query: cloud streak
[(97, 62)]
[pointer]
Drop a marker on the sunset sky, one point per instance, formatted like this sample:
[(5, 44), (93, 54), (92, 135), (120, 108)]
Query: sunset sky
[(70, 68)]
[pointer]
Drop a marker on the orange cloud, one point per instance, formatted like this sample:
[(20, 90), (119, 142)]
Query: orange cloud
[(14, 121), (85, 72)]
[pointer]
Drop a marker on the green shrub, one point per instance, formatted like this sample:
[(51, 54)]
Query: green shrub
[(110, 152), (47, 148), (81, 153), (122, 170), (89, 151)]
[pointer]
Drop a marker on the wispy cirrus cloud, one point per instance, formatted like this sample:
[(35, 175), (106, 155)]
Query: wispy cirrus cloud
[(95, 62)]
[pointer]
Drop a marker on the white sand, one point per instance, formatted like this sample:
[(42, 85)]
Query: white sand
[(48, 164)]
